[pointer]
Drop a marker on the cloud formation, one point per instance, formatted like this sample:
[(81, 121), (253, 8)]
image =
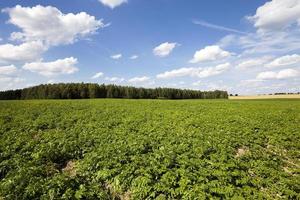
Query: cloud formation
[(197, 72), (276, 15), (282, 74), (97, 75), (209, 53), (253, 62), (134, 57), (116, 57), (9, 77), (284, 61), (139, 79), (28, 51), (114, 79), (8, 70), (60, 66), (113, 3), (50, 25), (164, 49)]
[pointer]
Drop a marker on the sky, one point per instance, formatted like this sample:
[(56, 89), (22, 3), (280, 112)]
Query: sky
[(243, 47)]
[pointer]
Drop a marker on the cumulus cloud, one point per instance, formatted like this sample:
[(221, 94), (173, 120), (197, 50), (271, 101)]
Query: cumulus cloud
[(139, 79), (195, 72), (113, 3), (282, 74), (284, 61), (116, 57), (209, 53), (8, 70), (28, 51), (50, 25), (164, 49), (9, 77), (97, 75), (276, 15), (60, 66), (8, 83), (134, 57), (185, 71), (255, 62)]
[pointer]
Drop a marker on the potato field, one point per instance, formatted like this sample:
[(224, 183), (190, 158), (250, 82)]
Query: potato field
[(149, 149)]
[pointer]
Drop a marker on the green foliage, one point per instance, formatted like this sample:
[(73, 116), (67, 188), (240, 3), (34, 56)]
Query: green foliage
[(90, 90), (149, 149)]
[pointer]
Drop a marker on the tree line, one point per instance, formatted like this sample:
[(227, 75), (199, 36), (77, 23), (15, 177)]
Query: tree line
[(92, 90)]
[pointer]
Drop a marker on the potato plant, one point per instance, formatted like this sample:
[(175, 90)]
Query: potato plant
[(149, 149)]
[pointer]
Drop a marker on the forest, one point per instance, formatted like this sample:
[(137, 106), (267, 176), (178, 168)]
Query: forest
[(92, 90)]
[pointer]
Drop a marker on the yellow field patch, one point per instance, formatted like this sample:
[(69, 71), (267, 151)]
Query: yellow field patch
[(287, 96)]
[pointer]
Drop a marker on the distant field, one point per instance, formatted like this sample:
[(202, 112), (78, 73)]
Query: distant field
[(149, 149), (288, 96)]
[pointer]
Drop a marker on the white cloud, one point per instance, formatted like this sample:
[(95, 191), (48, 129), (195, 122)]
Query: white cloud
[(5, 79), (276, 15), (284, 61), (209, 53), (28, 51), (114, 79), (164, 49), (9, 77), (215, 85), (60, 66), (133, 57), (277, 33), (50, 25), (116, 57), (195, 72), (283, 74), (251, 83), (267, 75), (139, 79), (287, 73), (218, 86), (212, 71), (7, 83), (112, 3), (254, 62), (185, 71), (255, 43), (8, 70), (97, 75), (227, 40)]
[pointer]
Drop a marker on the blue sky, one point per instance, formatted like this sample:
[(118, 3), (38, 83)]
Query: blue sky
[(245, 47)]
